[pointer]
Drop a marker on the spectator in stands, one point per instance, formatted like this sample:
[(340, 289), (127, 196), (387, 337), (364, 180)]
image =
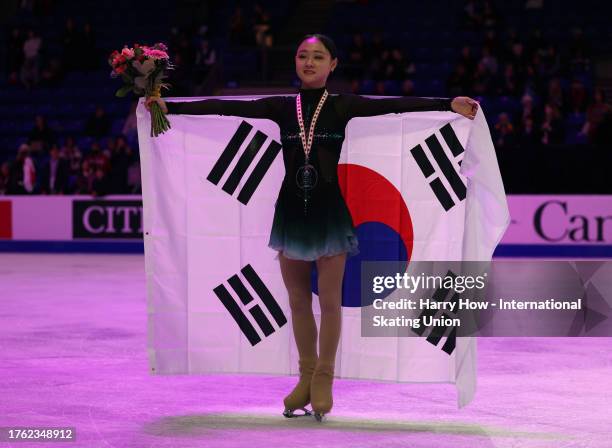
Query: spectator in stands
[(483, 82), (130, 128), (180, 78), (41, 137), (472, 15), (467, 59), (536, 44), (595, 114), (489, 61), (377, 45), (533, 82), (54, 179), (510, 84), (100, 185), (407, 87), (493, 43), (490, 17), (98, 125), (71, 153), (262, 26), (577, 96), (239, 33), (555, 95), (380, 88), (120, 160), (23, 172), (574, 126), (398, 67), (185, 48), (505, 136), (528, 109), (579, 45), (580, 63), (603, 134), (551, 61), (459, 82), (30, 70), (205, 60), (85, 179), (516, 54), (358, 59), (5, 177), (96, 158), (551, 128), (378, 65), (528, 135), (109, 148), (134, 181)]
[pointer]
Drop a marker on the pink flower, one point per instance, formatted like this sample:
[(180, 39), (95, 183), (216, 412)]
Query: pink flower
[(119, 59), (155, 54), (128, 53)]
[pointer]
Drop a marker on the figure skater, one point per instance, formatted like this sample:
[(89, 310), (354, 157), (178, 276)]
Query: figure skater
[(311, 219)]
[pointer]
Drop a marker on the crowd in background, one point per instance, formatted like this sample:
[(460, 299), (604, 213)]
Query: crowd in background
[(30, 64), (109, 166), (529, 69), (550, 87)]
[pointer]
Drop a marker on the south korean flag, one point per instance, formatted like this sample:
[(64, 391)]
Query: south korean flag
[(419, 185)]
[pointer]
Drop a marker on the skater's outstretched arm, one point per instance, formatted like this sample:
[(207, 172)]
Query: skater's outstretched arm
[(268, 107), (360, 106)]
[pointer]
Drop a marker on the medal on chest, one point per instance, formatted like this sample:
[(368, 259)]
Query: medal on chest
[(306, 176)]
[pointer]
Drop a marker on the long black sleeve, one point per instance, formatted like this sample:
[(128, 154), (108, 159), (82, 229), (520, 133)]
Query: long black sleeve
[(360, 106), (269, 107)]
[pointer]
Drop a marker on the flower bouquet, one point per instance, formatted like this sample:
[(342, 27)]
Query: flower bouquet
[(142, 69)]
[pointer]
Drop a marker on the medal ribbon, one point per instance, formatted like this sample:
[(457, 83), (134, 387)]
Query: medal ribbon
[(307, 143)]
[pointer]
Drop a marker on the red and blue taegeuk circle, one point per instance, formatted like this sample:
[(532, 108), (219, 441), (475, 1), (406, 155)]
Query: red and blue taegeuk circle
[(382, 223)]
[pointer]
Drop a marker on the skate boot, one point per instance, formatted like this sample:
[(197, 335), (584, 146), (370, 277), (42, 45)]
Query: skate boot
[(321, 389), (300, 395)]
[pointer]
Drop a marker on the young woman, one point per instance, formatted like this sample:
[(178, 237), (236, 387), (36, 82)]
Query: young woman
[(311, 219)]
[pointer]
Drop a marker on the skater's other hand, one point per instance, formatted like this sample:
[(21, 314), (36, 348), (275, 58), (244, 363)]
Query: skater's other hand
[(155, 99), (465, 106)]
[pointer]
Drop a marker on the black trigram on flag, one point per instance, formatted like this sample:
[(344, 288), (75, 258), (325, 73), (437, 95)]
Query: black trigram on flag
[(445, 165), (254, 308), (245, 160), (438, 332)]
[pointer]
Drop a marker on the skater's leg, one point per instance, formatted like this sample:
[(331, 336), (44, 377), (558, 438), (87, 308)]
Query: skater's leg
[(330, 271), (296, 276)]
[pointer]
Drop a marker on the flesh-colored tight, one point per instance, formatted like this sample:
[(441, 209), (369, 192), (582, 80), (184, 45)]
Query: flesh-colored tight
[(296, 276)]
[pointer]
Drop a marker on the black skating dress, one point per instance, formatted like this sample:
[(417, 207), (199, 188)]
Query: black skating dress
[(325, 227)]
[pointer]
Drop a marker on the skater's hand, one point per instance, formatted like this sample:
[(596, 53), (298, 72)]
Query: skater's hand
[(465, 106), (155, 99)]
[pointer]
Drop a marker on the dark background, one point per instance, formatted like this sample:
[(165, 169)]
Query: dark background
[(553, 55)]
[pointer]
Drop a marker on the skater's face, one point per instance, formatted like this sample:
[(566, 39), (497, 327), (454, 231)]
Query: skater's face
[(313, 63)]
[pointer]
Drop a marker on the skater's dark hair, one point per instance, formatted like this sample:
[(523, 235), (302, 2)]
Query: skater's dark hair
[(325, 40)]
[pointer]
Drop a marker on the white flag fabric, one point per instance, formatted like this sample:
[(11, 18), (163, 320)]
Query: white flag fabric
[(421, 184)]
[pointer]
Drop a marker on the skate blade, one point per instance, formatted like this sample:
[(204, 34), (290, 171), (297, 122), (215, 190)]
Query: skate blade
[(319, 416), (291, 414)]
